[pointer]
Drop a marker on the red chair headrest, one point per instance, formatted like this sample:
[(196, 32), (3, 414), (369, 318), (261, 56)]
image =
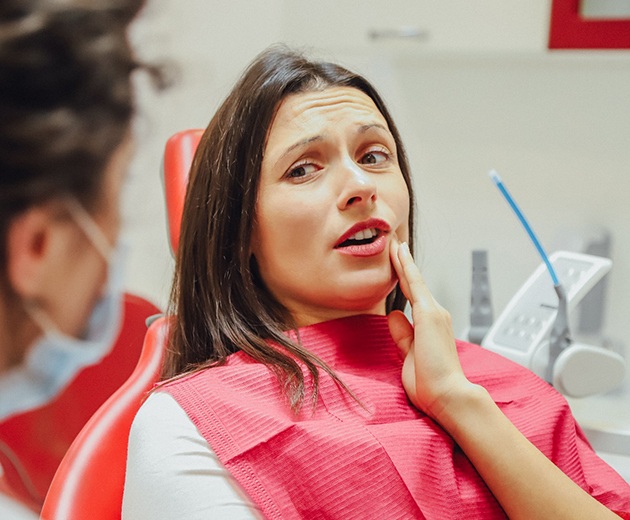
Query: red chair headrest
[(178, 156)]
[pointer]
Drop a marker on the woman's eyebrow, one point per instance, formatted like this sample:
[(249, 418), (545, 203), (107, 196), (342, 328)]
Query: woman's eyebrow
[(302, 142), (365, 128)]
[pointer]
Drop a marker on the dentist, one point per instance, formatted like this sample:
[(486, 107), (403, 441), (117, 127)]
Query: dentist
[(66, 103)]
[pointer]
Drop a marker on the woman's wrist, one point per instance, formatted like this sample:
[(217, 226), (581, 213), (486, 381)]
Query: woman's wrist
[(462, 408)]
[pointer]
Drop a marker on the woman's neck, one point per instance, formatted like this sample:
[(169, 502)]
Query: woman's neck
[(17, 333), (314, 316)]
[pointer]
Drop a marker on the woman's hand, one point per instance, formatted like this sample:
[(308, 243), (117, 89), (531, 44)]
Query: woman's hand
[(524, 481), (432, 374)]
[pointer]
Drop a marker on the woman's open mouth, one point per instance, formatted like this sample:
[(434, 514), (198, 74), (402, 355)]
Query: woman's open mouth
[(367, 236), (364, 239)]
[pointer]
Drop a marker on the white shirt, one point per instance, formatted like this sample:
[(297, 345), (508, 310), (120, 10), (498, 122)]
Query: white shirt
[(12, 510), (173, 473)]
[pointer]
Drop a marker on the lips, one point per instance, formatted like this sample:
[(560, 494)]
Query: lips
[(366, 238)]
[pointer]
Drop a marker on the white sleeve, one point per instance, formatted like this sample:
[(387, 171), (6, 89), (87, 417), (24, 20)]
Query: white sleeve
[(173, 473), (10, 509)]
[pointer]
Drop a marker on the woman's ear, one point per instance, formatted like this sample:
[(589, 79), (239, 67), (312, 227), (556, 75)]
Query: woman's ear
[(31, 250)]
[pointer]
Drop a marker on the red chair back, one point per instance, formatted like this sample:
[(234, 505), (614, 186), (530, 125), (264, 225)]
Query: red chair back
[(178, 156), (90, 480), (32, 444)]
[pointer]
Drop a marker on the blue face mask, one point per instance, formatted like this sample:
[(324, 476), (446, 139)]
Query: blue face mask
[(55, 359)]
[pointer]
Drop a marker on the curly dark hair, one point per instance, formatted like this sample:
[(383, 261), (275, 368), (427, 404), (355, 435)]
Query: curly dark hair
[(66, 98)]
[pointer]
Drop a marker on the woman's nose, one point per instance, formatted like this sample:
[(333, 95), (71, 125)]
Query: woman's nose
[(358, 187)]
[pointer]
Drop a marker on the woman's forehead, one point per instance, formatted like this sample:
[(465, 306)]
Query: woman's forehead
[(306, 105), (310, 112)]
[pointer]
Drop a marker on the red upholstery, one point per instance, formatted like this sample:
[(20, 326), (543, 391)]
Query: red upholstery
[(178, 156), (89, 482), (32, 444)]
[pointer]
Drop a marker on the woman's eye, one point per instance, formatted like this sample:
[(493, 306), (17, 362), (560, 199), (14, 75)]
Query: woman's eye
[(374, 157), (301, 170)]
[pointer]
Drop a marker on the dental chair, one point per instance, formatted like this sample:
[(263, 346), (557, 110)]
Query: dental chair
[(33, 443), (90, 480)]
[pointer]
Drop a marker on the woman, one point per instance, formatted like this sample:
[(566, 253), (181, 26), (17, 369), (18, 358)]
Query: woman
[(66, 104), (283, 394)]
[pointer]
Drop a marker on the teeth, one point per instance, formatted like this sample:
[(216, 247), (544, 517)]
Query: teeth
[(364, 234)]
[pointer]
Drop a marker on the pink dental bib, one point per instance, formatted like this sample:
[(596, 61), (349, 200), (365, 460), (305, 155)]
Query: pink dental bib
[(381, 458)]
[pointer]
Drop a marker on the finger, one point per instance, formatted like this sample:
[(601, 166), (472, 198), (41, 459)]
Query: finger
[(401, 331), (393, 253), (418, 292)]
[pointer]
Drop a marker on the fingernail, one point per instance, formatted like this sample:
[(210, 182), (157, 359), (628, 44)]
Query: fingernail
[(404, 249)]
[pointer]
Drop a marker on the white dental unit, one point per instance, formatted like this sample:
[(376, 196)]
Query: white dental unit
[(533, 330)]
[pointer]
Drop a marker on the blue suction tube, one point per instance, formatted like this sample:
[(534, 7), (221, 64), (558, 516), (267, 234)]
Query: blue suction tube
[(560, 336), (510, 200)]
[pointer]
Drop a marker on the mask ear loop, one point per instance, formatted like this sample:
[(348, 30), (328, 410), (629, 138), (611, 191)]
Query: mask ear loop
[(40, 317), (91, 229)]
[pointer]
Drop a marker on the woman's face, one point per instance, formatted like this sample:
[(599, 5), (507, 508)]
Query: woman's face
[(81, 269), (331, 198)]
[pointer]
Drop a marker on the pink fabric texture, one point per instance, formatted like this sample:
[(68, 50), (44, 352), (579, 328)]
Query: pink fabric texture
[(381, 458)]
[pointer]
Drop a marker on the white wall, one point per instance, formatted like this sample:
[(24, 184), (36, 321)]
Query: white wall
[(558, 130), (556, 126)]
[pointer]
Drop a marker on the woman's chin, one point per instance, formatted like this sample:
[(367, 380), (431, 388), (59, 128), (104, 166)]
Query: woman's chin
[(368, 299)]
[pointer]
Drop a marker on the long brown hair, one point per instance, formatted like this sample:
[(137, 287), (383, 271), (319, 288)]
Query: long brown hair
[(219, 302)]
